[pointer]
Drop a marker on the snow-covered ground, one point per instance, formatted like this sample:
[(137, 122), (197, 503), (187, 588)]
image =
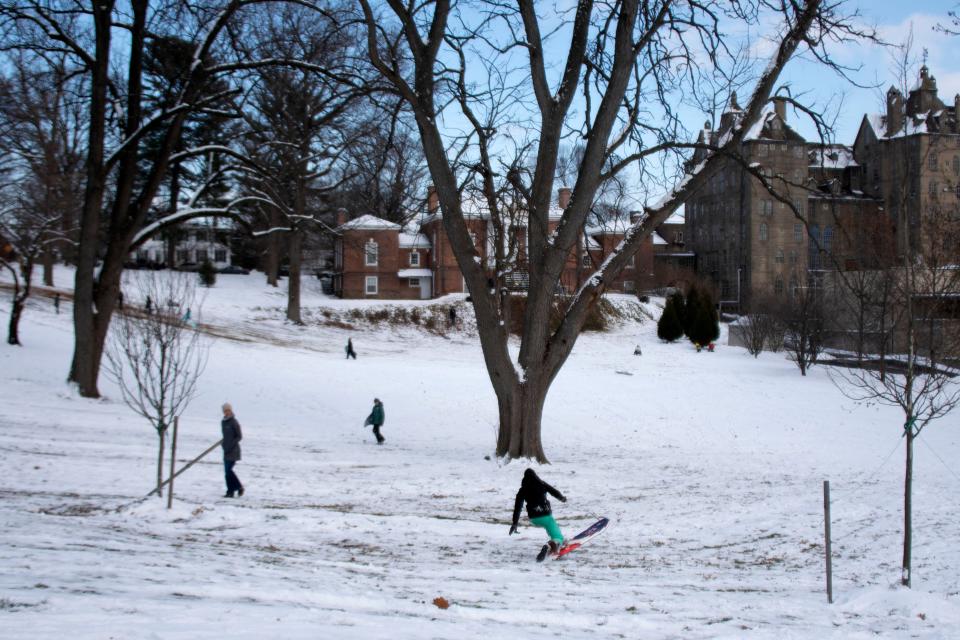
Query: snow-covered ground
[(710, 465)]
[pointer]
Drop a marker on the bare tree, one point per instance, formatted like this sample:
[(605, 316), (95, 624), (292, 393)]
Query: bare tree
[(761, 328), (299, 128), (157, 358), (803, 317), (624, 66), (41, 133)]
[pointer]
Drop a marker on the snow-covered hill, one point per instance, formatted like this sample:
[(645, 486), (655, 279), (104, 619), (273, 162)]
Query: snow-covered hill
[(710, 464)]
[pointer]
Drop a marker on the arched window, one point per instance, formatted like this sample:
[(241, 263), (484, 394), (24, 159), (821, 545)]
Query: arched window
[(778, 285), (956, 165), (779, 256), (828, 238), (793, 286), (763, 230)]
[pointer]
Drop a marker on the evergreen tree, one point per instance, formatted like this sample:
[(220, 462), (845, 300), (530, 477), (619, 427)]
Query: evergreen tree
[(703, 326), (669, 327), (208, 275), (679, 307), (691, 308)]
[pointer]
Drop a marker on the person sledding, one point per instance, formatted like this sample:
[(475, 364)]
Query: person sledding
[(534, 492)]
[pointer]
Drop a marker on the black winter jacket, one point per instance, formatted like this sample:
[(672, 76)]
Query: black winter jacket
[(534, 492), (231, 439)]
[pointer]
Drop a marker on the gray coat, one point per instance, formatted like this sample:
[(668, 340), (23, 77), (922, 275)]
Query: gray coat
[(231, 439)]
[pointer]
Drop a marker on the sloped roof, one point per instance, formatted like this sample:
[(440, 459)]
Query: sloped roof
[(369, 222), (414, 241)]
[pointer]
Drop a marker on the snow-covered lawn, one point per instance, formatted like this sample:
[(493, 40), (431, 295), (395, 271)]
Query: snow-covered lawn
[(710, 464)]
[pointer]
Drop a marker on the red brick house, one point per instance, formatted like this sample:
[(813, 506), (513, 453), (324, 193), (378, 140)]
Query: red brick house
[(374, 258)]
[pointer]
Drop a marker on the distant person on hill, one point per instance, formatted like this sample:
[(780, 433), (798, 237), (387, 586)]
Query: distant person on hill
[(120, 300), (56, 303), (231, 450), (534, 492), (453, 316), (350, 352), (376, 418), (148, 306)]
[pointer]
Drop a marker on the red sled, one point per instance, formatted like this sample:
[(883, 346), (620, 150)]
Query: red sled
[(583, 537)]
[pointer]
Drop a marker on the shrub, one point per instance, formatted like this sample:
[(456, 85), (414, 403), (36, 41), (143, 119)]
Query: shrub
[(207, 273), (702, 325), (669, 327)]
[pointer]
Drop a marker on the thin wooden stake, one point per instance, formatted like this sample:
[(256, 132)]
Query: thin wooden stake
[(826, 533), (173, 462)]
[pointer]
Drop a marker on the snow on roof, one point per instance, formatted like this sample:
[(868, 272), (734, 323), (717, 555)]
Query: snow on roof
[(370, 222), (677, 217), (415, 273), (614, 226), (658, 239), (834, 156), (592, 244), (414, 241)]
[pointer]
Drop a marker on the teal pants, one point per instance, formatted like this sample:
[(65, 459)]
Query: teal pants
[(548, 523)]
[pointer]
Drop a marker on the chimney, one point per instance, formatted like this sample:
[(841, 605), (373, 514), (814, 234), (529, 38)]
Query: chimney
[(780, 108), (894, 111), (563, 197), (341, 217), (635, 216), (433, 199)]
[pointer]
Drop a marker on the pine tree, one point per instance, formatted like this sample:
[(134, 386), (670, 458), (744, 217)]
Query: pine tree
[(691, 308), (208, 275), (702, 323), (679, 307), (669, 327)]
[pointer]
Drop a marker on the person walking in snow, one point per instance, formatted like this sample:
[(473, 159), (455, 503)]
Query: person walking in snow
[(376, 418), (350, 352), (231, 450), (534, 492), (56, 303)]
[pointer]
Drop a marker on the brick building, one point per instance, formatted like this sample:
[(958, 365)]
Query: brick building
[(374, 258)]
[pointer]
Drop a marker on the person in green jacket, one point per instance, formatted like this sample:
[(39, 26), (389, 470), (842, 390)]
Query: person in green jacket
[(376, 418)]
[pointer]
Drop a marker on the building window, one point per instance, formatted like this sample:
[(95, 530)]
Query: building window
[(585, 261), (793, 286), (413, 282), (932, 162), (814, 249), (763, 230), (932, 188), (827, 238), (630, 262), (183, 255), (778, 286), (201, 255), (779, 256), (798, 232), (679, 237), (629, 286), (142, 255), (767, 207), (371, 252), (414, 258), (220, 255), (958, 190), (762, 150), (956, 165), (372, 286), (793, 257), (798, 207)]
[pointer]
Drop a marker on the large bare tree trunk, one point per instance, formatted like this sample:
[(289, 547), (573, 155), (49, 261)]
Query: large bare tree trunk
[(293, 282), (84, 367), (272, 262), (521, 413)]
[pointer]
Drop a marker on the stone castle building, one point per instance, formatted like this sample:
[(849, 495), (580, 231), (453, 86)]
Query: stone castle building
[(831, 207)]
